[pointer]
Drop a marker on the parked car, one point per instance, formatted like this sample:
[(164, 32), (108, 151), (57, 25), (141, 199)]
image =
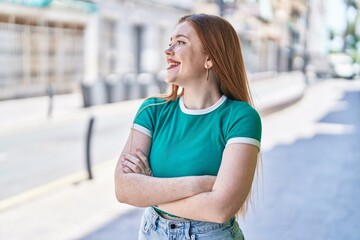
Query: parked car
[(322, 67), (342, 66)]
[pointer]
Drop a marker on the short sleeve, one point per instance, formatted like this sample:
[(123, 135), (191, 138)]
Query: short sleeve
[(145, 117), (246, 128)]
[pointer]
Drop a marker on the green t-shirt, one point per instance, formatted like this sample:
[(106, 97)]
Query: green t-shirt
[(189, 142)]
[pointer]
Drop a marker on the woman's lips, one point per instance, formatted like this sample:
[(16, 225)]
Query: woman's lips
[(172, 64)]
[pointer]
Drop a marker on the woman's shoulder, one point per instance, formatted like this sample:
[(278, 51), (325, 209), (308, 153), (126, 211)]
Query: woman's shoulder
[(241, 107), (156, 103), (153, 100), (245, 119)]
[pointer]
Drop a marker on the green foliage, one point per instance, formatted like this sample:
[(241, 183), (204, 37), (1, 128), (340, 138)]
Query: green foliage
[(351, 38)]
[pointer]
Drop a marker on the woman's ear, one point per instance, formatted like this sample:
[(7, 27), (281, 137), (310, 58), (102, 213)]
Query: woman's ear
[(208, 63)]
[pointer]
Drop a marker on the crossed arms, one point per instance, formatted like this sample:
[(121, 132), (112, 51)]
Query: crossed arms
[(202, 198)]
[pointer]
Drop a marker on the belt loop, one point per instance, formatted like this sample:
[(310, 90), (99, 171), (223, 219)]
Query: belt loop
[(187, 230), (154, 217)]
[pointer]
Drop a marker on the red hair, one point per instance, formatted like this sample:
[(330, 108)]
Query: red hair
[(221, 42)]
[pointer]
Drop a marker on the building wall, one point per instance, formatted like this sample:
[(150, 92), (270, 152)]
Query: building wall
[(63, 48), (40, 51), (142, 32), (60, 49)]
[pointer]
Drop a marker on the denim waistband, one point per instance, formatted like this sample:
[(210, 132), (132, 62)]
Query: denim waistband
[(189, 227)]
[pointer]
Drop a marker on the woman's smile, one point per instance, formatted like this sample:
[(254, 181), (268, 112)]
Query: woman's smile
[(185, 57), (172, 64)]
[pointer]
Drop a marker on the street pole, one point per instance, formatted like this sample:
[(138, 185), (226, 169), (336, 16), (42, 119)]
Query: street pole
[(50, 92), (221, 7), (306, 57)]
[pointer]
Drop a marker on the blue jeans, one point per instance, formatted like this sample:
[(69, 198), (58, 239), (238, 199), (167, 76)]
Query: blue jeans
[(153, 226)]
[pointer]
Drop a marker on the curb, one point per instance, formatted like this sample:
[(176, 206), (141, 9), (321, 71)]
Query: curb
[(74, 178)]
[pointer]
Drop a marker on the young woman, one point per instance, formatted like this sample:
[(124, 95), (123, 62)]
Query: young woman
[(191, 156)]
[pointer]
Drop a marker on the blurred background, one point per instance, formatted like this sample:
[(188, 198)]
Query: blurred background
[(74, 72)]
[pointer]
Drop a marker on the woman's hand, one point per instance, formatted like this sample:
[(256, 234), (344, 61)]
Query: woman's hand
[(141, 190), (137, 163)]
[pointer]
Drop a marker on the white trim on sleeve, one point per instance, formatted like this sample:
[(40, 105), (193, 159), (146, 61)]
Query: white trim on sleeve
[(142, 129), (251, 141)]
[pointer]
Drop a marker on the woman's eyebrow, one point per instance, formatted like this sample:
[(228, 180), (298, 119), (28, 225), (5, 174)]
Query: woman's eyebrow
[(178, 36)]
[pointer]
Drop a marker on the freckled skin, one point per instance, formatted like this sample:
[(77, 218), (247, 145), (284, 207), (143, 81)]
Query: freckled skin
[(186, 48), (201, 198)]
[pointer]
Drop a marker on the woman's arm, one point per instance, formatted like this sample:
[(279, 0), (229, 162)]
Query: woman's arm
[(141, 190), (230, 190)]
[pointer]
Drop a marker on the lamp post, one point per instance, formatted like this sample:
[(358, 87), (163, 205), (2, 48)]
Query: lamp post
[(221, 7), (306, 57), (226, 5)]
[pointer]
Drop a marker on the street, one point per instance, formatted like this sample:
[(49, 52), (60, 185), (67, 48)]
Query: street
[(310, 187), (307, 186), (37, 154), (311, 163), (50, 149), (73, 75)]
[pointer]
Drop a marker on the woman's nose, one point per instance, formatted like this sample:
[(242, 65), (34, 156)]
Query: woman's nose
[(169, 51)]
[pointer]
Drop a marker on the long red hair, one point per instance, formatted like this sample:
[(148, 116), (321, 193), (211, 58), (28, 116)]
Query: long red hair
[(221, 42)]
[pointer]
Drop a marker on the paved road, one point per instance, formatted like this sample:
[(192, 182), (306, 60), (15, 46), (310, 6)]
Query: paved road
[(50, 150), (41, 149), (309, 189), (310, 184)]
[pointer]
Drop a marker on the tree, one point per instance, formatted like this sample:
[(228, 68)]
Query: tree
[(350, 36)]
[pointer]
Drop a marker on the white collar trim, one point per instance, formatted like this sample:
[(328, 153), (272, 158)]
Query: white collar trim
[(200, 111)]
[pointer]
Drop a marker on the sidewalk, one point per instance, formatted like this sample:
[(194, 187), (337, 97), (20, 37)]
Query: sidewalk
[(268, 94), (65, 212), (277, 91), (73, 208)]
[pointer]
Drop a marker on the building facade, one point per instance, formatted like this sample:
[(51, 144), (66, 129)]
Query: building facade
[(56, 46), (40, 49)]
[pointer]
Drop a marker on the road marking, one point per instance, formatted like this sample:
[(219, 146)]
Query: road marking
[(53, 185)]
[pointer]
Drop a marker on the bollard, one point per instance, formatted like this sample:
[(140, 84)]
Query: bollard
[(128, 85), (88, 147), (160, 81), (144, 82), (50, 93)]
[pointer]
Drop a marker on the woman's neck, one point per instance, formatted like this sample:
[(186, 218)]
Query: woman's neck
[(200, 98)]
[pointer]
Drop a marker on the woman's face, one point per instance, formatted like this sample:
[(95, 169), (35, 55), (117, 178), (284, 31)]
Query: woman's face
[(185, 56)]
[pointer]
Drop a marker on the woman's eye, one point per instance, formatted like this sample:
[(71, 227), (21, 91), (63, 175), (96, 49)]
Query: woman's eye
[(177, 43)]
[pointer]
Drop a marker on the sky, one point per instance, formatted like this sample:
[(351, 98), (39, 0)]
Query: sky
[(336, 21), (336, 15)]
